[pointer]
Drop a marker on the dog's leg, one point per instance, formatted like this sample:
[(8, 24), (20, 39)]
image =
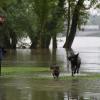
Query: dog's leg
[(53, 74), (75, 69), (72, 68)]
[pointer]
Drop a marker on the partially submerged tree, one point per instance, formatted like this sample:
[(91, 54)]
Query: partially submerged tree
[(57, 21), (49, 20), (79, 16)]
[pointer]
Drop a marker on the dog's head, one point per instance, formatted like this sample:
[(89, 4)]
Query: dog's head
[(75, 56)]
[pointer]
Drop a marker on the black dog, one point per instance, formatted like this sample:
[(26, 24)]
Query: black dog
[(75, 63), (55, 71)]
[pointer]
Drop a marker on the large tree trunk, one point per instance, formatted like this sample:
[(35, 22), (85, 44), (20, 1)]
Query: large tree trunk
[(34, 43), (45, 41), (75, 19), (48, 39)]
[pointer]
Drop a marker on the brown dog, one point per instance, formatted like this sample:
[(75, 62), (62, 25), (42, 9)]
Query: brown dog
[(55, 71)]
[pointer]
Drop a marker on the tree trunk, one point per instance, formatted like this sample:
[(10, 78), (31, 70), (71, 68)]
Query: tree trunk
[(34, 43), (7, 42), (68, 24), (14, 40), (75, 19), (54, 41), (48, 39), (45, 41), (54, 58)]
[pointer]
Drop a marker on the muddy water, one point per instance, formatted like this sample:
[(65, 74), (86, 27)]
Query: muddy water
[(20, 88)]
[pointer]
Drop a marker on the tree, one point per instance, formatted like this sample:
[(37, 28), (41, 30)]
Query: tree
[(57, 20), (77, 16), (10, 36), (50, 20), (18, 22), (38, 19)]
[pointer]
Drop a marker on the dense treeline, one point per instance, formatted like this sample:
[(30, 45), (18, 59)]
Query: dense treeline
[(42, 20)]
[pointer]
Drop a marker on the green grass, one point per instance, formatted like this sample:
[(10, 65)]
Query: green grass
[(18, 70), (32, 70)]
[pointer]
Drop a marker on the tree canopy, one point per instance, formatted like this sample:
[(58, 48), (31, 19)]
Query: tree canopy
[(42, 20)]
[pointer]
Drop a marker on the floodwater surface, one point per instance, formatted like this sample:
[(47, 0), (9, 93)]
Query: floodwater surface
[(20, 88), (88, 48), (26, 88)]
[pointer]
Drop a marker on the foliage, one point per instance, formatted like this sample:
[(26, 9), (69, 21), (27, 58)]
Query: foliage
[(4, 3), (41, 19)]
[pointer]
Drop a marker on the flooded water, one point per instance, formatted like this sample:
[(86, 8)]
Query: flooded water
[(21, 88), (26, 88), (88, 48)]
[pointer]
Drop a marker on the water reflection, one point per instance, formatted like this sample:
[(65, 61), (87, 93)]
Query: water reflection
[(27, 57), (44, 58), (29, 89), (89, 53), (74, 93)]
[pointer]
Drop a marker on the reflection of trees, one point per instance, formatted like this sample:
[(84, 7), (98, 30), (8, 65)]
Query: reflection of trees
[(24, 91), (27, 57), (74, 92), (10, 58), (47, 95), (40, 57), (53, 58)]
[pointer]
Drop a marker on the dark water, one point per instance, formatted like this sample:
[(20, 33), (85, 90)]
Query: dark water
[(25, 88)]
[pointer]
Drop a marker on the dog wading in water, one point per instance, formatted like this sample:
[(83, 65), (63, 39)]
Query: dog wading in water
[(75, 63), (55, 71)]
